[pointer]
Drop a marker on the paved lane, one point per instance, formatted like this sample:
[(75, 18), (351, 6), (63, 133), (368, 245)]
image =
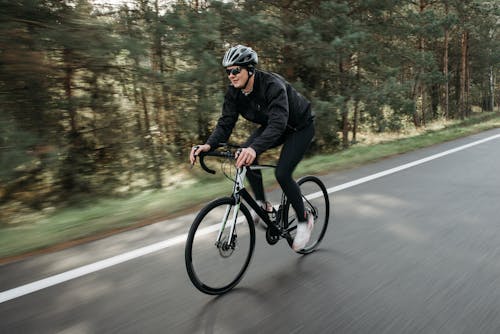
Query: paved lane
[(412, 252)]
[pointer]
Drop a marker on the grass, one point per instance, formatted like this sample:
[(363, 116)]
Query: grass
[(104, 216)]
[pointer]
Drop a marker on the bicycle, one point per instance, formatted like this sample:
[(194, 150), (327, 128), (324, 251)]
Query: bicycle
[(223, 232)]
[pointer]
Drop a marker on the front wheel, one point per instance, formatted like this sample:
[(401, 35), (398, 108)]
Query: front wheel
[(216, 257), (316, 200)]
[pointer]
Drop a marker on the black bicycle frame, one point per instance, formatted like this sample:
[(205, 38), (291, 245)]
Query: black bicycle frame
[(239, 190), (263, 214)]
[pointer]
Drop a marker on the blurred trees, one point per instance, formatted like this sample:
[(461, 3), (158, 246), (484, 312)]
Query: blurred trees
[(100, 99)]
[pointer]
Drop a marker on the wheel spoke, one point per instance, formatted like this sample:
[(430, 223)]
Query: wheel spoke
[(317, 201), (214, 266)]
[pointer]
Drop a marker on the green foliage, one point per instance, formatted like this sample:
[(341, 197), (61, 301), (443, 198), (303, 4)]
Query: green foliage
[(327, 125), (99, 100), (15, 148)]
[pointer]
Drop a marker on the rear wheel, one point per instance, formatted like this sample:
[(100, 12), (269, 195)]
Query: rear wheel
[(215, 267), (317, 201)]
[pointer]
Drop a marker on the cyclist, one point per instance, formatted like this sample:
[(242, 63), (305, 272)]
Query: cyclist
[(285, 118)]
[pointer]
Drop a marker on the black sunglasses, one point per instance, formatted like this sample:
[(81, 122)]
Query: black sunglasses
[(234, 71)]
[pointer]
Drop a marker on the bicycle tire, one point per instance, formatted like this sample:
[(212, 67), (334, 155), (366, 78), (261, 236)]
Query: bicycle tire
[(315, 197), (202, 255)]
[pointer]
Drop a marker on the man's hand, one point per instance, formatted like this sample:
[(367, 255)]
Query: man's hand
[(197, 149), (245, 157)]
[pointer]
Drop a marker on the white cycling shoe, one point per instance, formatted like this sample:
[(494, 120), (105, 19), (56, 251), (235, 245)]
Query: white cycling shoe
[(303, 234)]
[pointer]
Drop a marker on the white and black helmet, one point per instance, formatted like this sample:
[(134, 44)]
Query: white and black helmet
[(240, 55)]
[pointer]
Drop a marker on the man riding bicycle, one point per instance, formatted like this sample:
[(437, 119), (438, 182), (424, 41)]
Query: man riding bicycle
[(285, 118)]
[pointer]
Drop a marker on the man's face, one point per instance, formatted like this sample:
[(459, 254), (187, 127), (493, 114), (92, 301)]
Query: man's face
[(237, 75)]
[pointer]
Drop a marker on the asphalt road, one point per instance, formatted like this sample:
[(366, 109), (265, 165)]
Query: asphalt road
[(415, 251)]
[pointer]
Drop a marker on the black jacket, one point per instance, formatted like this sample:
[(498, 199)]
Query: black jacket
[(273, 103)]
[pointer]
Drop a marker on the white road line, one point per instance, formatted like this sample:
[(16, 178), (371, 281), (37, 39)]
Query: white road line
[(106, 263), (87, 269), (408, 165)]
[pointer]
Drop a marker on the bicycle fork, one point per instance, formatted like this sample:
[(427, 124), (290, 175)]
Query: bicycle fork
[(238, 185), (224, 222)]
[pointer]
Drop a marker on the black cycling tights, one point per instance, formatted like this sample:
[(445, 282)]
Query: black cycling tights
[(295, 145)]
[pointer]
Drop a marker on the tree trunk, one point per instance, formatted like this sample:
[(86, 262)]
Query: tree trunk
[(414, 97), (150, 143), (68, 172), (287, 24), (356, 104), (135, 87), (468, 76), (434, 101), (344, 108), (355, 122), (492, 90), (68, 89), (446, 110), (421, 88), (463, 76), (157, 67)]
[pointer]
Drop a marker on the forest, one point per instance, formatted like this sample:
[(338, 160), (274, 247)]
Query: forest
[(105, 99)]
